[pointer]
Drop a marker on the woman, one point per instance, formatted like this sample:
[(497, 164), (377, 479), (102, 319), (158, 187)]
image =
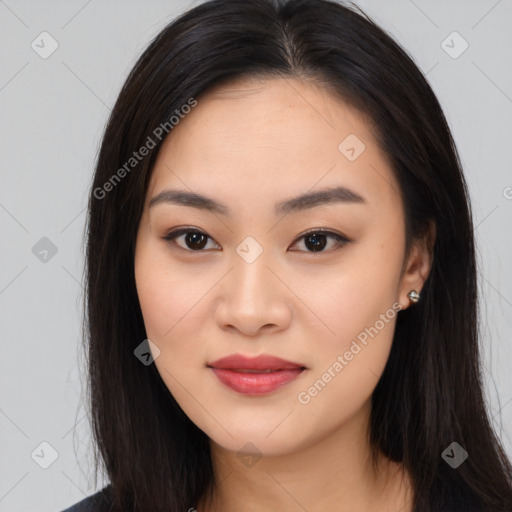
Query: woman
[(281, 281)]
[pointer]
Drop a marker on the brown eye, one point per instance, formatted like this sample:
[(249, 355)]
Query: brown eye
[(194, 240), (317, 240)]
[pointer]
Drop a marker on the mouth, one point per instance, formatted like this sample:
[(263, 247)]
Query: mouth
[(255, 375), (256, 382)]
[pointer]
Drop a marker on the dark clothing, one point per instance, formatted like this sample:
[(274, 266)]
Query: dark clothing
[(99, 502)]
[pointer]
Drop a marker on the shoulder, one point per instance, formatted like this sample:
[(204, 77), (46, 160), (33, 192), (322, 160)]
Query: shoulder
[(98, 502)]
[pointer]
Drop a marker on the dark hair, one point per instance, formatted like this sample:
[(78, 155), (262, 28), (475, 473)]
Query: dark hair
[(430, 393)]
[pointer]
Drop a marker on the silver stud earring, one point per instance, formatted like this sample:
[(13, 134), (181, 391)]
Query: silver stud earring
[(414, 296)]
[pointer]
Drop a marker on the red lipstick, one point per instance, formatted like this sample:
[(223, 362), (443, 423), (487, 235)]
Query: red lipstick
[(257, 375)]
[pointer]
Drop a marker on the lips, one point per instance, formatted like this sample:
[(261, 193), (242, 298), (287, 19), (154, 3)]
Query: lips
[(260, 364), (255, 376)]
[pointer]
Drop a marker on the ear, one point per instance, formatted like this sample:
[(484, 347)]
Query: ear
[(418, 265)]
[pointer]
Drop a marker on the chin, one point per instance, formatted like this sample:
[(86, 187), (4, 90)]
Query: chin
[(257, 441)]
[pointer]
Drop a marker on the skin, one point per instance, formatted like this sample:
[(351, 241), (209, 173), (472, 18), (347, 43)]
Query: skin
[(250, 144)]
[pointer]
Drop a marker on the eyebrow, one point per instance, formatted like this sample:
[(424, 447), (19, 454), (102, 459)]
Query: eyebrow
[(305, 201)]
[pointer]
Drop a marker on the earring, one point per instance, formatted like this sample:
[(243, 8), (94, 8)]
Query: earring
[(414, 296)]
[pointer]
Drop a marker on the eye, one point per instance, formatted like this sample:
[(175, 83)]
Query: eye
[(195, 240), (314, 240)]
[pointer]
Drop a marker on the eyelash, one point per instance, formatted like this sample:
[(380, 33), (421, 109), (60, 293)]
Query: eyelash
[(340, 239)]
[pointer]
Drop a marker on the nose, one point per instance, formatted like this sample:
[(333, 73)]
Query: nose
[(252, 298)]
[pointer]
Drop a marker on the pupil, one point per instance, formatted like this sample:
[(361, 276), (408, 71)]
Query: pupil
[(192, 240), (318, 242)]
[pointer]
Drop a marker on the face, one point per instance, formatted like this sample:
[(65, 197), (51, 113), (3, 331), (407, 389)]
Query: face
[(251, 278)]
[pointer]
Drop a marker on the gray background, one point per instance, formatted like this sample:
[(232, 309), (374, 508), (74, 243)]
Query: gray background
[(53, 112)]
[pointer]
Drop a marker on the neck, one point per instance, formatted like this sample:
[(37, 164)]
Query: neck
[(333, 473)]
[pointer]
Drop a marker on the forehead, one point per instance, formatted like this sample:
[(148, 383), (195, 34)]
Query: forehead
[(275, 136)]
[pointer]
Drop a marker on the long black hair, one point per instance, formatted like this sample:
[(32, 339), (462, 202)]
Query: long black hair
[(430, 394)]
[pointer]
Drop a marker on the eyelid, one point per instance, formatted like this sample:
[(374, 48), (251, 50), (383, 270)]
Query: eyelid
[(175, 233), (340, 238)]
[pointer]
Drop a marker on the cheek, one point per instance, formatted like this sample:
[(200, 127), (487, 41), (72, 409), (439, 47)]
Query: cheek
[(347, 365), (354, 294), (357, 307), (353, 311), (173, 308), (167, 305), (167, 296)]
